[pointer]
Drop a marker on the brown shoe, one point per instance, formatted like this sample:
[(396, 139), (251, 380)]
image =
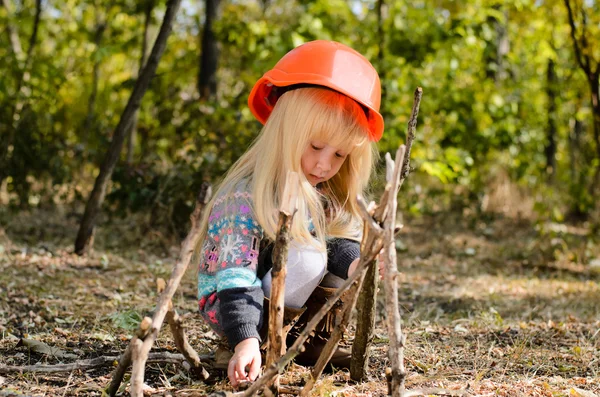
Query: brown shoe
[(316, 342), (290, 317)]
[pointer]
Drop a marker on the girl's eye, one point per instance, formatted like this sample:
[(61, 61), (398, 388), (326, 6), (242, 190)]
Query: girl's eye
[(316, 147), (339, 155)]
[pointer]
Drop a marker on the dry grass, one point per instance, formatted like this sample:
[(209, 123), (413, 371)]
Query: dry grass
[(498, 306)]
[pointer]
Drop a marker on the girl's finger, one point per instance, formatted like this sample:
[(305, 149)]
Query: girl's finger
[(254, 369), (231, 373)]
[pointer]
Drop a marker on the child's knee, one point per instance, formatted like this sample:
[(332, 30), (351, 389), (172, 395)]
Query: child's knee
[(309, 260)]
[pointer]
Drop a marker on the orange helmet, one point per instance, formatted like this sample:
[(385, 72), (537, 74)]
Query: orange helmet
[(323, 63)]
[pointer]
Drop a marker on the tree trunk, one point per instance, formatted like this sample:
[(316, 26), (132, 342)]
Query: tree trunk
[(91, 112), (84, 239), (595, 88), (550, 151), (132, 135), (207, 77)]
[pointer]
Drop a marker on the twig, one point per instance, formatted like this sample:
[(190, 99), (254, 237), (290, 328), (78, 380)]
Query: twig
[(125, 360), (279, 270), (84, 365), (178, 331), (410, 133), (365, 317), (185, 255)]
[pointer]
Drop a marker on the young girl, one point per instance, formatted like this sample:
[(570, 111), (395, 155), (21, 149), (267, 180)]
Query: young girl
[(319, 106)]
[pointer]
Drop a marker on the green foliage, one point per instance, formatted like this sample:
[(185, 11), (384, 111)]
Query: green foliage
[(128, 320), (485, 104)]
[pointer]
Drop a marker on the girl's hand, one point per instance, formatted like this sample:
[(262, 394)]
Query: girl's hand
[(246, 356)]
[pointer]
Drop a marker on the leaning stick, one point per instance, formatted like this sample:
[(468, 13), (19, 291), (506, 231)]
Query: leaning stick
[(139, 351), (279, 270), (178, 331), (125, 360), (396, 349), (293, 351)]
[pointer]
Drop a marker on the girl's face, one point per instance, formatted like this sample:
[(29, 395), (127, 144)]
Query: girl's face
[(321, 161)]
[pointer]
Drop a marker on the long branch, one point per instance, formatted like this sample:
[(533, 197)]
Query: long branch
[(103, 361), (396, 349), (279, 271)]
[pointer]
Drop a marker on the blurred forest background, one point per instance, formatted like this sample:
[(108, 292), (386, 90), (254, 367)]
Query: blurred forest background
[(510, 119)]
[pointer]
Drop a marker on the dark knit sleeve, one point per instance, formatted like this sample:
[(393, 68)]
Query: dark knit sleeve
[(241, 313), (341, 252)]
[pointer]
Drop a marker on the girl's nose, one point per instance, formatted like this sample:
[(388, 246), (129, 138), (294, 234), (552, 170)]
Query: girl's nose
[(324, 164)]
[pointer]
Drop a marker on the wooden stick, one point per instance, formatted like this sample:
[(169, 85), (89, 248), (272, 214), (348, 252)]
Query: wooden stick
[(125, 360), (365, 316), (178, 331), (139, 352), (396, 349), (279, 270), (310, 327), (410, 133), (84, 365)]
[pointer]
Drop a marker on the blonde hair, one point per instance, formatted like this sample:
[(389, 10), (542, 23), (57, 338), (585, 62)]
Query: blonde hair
[(300, 116)]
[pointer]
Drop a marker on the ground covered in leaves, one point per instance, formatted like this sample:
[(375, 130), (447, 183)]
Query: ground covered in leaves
[(493, 305)]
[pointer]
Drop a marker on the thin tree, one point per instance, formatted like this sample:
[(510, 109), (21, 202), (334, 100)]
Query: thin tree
[(132, 134), (207, 76), (85, 235), (583, 43), (551, 92)]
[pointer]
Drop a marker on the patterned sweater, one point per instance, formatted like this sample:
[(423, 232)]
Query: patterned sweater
[(230, 295)]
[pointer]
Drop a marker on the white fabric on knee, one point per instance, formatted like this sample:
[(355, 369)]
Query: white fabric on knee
[(305, 269)]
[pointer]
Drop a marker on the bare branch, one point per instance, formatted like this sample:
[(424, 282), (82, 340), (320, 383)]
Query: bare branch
[(84, 365), (584, 63), (410, 134), (280, 253)]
